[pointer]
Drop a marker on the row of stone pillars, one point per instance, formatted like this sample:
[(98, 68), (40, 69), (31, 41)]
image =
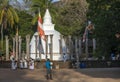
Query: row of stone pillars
[(17, 41), (46, 46), (51, 46), (74, 47), (16, 49)]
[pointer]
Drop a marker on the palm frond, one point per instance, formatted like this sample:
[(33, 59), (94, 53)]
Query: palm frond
[(34, 20), (10, 18), (1, 16), (16, 18)]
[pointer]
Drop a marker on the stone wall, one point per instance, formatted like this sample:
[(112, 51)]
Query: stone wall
[(68, 64)]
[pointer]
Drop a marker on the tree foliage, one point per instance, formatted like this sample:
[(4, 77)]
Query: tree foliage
[(7, 14), (8, 17), (42, 5), (25, 26), (72, 15), (106, 17)]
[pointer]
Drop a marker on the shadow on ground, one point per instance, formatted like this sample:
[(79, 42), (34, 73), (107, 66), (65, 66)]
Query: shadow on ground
[(8, 75), (100, 72), (87, 75), (61, 75)]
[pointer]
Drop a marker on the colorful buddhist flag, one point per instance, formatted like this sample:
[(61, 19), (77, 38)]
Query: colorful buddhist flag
[(85, 34), (40, 29)]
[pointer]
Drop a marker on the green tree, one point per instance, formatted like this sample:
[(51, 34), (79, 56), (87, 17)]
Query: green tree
[(105, 15), (25, 27), (8, 17), (41, 5), (71, 16)]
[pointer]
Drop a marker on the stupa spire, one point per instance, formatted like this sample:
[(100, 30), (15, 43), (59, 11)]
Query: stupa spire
[(47, 17)]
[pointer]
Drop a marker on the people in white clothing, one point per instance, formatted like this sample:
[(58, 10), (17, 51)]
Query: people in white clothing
[(64, 57), (25, 64), (13, 64), (31, 64), (21, 64)]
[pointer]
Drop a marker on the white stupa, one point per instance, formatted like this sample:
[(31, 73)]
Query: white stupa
[(48, 28)]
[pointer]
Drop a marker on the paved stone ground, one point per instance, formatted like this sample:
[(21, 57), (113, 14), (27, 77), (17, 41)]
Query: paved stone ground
[(61, 75)]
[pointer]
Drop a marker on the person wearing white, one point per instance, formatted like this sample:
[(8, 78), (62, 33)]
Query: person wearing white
[(25, 64), (64, 57), (11, 57), (51, 63), (31, 64), (21, 64), (13, 64)]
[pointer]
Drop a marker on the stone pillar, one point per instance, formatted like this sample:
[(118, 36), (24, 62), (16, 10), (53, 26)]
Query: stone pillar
[(66, 43), (27, 46), (30, 51), (51, 49), (16, 54), (86, 47), (60, 41), (14, 46), (94, 44), (60, 46), (76, 51), (23, 55), (35, 46), (7, 48), (20, 41), (39, 47), (46, 46), (86, 43), (70, 47), (80, 46)]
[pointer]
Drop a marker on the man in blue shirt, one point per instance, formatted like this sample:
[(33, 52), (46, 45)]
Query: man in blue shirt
[(49, 70)]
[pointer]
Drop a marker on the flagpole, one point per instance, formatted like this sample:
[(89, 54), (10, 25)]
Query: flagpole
[(40, 29)]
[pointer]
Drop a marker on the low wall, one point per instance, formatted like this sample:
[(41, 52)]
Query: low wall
[(5, 64), (39, 64), (68, 64), (56, 64), (101, 63)]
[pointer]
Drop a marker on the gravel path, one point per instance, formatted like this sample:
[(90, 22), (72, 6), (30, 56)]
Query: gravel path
[(61, 75)]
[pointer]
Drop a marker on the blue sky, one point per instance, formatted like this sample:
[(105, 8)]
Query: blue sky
[(52, 1), (55, 0)]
